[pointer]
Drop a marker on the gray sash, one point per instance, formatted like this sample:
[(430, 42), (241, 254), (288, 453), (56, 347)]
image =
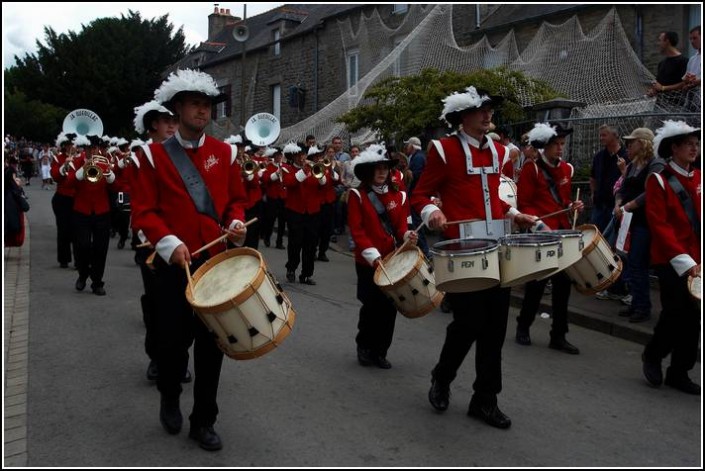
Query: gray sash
[(195, 185)]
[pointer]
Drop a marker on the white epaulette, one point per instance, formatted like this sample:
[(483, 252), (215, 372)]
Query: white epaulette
[(357, 192), (660, 180), (148, 154), (439, 148), (403, 197)]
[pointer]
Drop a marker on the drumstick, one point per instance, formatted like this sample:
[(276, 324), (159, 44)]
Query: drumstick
[(220, 239), (461, 221), (143, 245), (406, 242), (381, 265), (575, 216), (555, 213), (190, 281)]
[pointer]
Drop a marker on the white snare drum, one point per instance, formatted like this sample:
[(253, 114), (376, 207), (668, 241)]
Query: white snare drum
[(241, 302), (570, 248), (508, 191), (527, 257), (411, 284), (695, 287), (465, 265), (598, 267)]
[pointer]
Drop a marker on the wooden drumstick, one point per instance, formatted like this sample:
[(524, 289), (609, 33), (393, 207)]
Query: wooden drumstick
[(575, 216), (555, 213), (220, 239), (461, 221), (406, 242), (381, 265), (143, 245), (190, 281)]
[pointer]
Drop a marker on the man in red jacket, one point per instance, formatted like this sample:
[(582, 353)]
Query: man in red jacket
[(464, 170), (673, 210), (544, 188), (190, 192), (62, 202)]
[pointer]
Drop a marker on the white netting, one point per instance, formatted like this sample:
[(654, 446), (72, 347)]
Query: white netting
[(599, 68)]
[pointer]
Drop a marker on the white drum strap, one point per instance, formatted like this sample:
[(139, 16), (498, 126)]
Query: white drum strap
[(483, 172)]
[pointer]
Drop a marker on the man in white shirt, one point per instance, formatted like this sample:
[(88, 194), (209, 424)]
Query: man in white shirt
[(691, 79)]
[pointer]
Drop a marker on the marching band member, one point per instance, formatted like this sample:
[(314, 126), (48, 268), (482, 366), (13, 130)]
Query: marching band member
[(91, 212), (303, 207), (463, 169), (190, 192), (159, 124), (377, 216), (328, 197), (275, 192), (62, 202), (253, 208), (673, 210), (544, 188), (121, 190)]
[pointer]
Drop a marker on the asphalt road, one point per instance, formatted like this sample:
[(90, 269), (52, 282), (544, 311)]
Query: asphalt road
[(308, 403)]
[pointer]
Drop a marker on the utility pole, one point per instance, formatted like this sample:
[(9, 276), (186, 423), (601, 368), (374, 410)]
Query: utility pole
[(243, 118)]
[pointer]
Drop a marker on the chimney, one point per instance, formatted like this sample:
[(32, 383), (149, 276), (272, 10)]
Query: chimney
[(218, 20)]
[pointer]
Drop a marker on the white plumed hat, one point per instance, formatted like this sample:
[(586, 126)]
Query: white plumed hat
[(665, 136), (187, 80), (144, 114)]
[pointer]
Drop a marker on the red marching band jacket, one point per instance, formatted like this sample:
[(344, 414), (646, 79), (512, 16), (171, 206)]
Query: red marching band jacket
[(252, 187), (328, 190), (534, 195), (273, 187), (162, 206), (62, 186), (366, 228), (89, 198), (303, 195), (673, 240), (462, 194)]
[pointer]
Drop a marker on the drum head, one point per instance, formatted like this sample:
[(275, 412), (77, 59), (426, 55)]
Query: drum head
[(529, 240), (225, 280), (463, 246), (397, 267)]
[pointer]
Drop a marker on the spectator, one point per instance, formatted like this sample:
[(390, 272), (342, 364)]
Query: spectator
[(15, 205), (604, 174), (45, 157), (671, 70), (417, 163), (691, 78)]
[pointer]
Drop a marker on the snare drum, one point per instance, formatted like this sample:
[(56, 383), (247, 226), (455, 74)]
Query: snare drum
[(465, 265), (695, 287), (570, 248), (527, 257), (411, 284), (508, 191), (241, 302), (598, 267)]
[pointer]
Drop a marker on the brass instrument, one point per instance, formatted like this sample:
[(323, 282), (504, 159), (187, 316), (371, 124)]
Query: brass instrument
[(249, 166), (92, 169), (262, 165), (318, 170), (327, 162)]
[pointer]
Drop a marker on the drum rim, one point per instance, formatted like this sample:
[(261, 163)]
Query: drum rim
[(491, 247), (543, 240), (379, 275)]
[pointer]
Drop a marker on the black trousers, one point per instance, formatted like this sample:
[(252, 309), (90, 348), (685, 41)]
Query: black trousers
[(678, 328), (274, 211), (63, 212), (478, 317), (91, 239), (303, 237), (178, 327), (325, 229), (533, 291), (378, 313), (148, 300), (253, 230)]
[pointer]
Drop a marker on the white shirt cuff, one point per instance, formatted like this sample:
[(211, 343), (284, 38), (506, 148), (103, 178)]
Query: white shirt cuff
[(682, 263), (427, 211), (512, 213), (110, 178), (79, 174), (274, 176), (231, 227), (322, 181), (371, 255), (166, 246), (300, 175), (250, 177)]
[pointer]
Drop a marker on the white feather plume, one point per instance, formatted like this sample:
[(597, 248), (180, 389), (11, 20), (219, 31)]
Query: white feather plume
[(270, 151), (313, 150), (81, 141), (373, 154), (233, 140), (142, 110), (542, 133), (672, 128), (61, 138), (122, 141), (136, 143), (292, 148), (186, 80), (462, 101)]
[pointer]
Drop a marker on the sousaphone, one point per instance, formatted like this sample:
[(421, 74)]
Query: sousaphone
[(83, 122), (262, 129)]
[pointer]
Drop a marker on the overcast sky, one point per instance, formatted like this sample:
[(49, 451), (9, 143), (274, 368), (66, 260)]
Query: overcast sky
[(23, 23)]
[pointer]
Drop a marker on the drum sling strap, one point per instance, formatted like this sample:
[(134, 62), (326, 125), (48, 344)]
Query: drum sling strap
[(382, 213), (195, 185), (551, 183), (686, 201)]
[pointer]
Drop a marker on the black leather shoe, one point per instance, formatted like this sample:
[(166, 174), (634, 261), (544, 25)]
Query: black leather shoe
[(491, 415), (382, 363), (683, 383), (364, 357), (267, 243), (152, 371), (64, 265), (206, 437), (523, 337), (170, 416), (564, 346), (121, 244), (187, 378), (307, 280), (323, 258), (639, 317), (290, 276), (652, 371), (80, 284), (439, 395), (99, 291), (280, 246)]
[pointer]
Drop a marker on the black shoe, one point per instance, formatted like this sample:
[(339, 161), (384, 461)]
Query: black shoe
[(682, 383), (121, 244), (170, 416), (333, 239), (187, 377), (564, 346), (206, 437), (639, 317), (322, 258), (152, 371), (652, 371), (290, 276), (99, 291), (490, 414), (439, 395), (80, 284), (267, 243), (382, 362), (523, 337), (64, 265), (626, 312), (307, 280), (364, 357), (280, 246)]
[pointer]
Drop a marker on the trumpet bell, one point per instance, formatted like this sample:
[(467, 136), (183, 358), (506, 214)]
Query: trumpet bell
[(83, 122), (262, 129), (318, 170)]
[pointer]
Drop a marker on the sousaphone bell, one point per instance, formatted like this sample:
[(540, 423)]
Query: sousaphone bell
[(262, 129)]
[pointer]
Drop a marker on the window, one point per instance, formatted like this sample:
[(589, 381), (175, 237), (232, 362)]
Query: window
[(277, 44), (224, 108), (400, 8), (277, 100), (353, 64)]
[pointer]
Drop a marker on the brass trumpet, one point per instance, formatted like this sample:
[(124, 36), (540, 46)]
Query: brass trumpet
[(318, 170), (327, 162), (92, 168), (249, 166)]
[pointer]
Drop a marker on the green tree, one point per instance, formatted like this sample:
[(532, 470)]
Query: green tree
[(31, 119), (398, 107), (110, 66)]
